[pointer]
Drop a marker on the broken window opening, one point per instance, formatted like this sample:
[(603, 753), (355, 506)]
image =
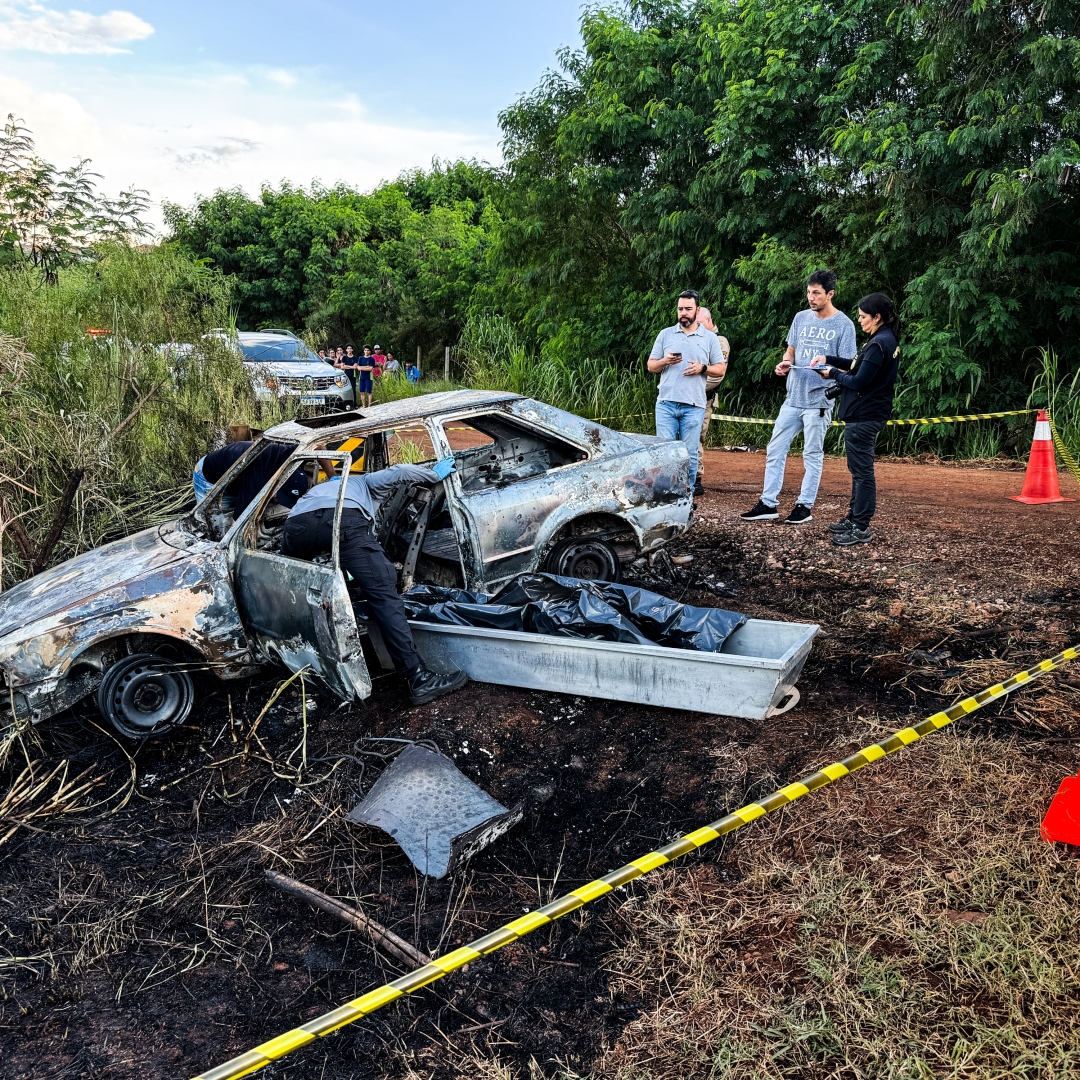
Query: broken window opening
[(491, 450), (217, 513), (410, 445), (267, 525)]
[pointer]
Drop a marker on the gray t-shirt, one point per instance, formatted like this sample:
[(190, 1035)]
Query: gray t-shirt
[(700, 347), (365, 492), (810, 336)]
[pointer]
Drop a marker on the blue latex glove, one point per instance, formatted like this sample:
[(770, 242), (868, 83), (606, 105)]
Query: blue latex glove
[(442, 469)]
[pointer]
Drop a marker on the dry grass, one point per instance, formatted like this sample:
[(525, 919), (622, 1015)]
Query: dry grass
[(910, 923)]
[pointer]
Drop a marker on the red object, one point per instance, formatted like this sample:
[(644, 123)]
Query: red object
[(1062, 821), (97, 331), (1041, 478)]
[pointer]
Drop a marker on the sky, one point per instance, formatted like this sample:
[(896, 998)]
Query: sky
[(184, 98)]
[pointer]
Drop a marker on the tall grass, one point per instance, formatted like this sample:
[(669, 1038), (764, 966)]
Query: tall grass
[(1060, 395), (496, 358), (395, 387), (131, 417)]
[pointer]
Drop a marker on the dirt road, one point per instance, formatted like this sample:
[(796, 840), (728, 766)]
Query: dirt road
[(145, 938)]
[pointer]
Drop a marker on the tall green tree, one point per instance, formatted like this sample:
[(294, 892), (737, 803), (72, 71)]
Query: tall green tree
[(283, 250), (400, 264), (53, 218), (734, 147)]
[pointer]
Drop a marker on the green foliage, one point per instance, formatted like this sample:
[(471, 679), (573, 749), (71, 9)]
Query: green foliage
[(53, 218), (282, 251), (497, 359), (133, 415), (1061, 395), (400, 265), (396, 387), (920, 150)]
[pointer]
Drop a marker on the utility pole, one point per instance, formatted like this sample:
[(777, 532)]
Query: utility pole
[(446, 364), (417, 357)]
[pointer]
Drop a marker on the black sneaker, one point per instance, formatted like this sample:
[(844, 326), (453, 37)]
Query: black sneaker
[(799, 516), (854, 535), (761, 512), (426, 685), (699, 487), (841, 526)]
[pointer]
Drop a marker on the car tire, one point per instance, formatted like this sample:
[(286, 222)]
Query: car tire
[(144, 695), (585, 557)]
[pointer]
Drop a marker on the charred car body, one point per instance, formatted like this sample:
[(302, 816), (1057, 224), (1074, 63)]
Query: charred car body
[(534, 488)]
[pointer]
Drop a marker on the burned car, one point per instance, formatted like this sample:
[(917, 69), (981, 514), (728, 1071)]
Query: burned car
[(534, 488)]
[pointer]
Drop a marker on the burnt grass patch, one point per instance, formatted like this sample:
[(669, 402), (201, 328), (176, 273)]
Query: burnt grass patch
[(136, 929)]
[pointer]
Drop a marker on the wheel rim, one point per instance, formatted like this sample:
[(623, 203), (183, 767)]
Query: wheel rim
[(145, 694), (589, 560)]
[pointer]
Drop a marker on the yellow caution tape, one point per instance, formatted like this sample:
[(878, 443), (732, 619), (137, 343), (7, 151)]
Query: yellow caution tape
[(895, 423), (1063, 450), (628, 416), (957, 419), (742, 419), (423, 976)]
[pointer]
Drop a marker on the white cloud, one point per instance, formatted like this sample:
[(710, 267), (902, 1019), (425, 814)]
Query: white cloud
[(61, 127), (282, 77), (36, 28), (228, 147), (183, 133)]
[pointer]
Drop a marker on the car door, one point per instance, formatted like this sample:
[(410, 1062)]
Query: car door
[(510, 478), (296, 611)]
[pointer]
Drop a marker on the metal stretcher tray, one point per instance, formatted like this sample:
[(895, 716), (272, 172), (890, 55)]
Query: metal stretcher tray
[(752, 676)]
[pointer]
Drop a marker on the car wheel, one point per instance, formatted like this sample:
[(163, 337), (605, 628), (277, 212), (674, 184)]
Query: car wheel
[(145, 694), (584, 557)]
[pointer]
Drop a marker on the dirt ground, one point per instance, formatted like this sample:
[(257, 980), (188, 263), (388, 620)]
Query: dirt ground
[(140, 934)]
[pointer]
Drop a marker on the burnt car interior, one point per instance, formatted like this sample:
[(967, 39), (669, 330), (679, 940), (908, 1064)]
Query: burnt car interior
[(492, 450), (415, 526)]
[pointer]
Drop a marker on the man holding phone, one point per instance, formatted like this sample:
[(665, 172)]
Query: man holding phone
[(684, 355)]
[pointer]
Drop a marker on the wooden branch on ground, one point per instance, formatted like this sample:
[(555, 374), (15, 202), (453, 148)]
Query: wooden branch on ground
[(385, 939)]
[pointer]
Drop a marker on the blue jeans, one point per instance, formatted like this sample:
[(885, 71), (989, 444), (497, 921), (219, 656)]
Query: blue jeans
[(789, 423), (200, 483), (677, 420), (202, 488)]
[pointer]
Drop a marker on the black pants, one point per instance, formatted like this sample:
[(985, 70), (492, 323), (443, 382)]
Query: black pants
[(859, 439), (374, 577)]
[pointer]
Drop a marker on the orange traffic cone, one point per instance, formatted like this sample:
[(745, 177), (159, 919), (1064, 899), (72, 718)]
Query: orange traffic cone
[(1062, 821), (1041, 478)]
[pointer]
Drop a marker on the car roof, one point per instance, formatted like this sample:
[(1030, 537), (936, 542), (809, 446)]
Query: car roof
[(410, 408), (254, 336)]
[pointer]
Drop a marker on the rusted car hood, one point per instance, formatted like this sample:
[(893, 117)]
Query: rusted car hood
[(146, 563)]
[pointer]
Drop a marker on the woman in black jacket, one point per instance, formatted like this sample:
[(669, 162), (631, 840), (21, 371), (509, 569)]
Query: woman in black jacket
[(867, 384)]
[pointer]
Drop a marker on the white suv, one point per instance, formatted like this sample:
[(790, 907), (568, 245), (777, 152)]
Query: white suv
[(282, 365)]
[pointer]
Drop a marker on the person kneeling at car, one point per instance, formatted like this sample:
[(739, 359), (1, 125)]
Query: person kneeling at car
[(866, 399), (308, 532)]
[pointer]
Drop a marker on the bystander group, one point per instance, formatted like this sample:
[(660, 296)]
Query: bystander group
[(362, 371)]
